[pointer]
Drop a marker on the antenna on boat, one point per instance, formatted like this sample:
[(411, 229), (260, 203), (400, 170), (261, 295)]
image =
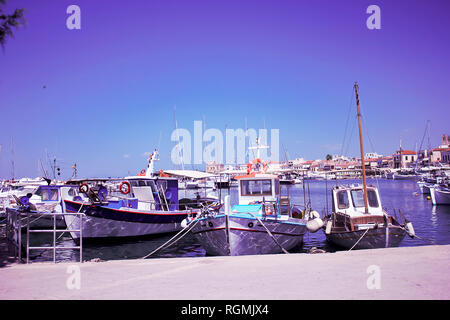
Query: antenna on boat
[(151, 163), (178, 137), (366, 206), (258, 147), (12, 158)]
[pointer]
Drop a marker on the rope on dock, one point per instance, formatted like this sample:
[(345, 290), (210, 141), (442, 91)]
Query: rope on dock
[(269, 233), (367, 230)]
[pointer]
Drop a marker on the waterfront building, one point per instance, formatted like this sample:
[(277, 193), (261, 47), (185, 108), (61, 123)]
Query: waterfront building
[(214, 167), (404, 158), (385, 162), (445, 155)]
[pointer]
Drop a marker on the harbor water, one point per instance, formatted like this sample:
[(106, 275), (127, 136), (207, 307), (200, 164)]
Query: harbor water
[(431, 224)]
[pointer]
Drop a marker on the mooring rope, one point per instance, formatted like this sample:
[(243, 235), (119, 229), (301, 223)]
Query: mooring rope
[(185, 230), (367, 230)]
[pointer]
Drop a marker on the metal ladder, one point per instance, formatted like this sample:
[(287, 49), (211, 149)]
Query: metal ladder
[(161, 192)]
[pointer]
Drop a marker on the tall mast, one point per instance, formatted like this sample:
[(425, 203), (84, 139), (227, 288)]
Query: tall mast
[(366, 205)]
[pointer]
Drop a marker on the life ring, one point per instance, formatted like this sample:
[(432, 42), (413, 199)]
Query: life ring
[(269, 209), (84, 188), (125, 187), (143, 171)]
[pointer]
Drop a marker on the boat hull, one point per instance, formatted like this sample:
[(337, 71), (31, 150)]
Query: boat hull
[(405, 177), (423, 187), (103, 222), (246, 236), (441, 197), (373, 239)]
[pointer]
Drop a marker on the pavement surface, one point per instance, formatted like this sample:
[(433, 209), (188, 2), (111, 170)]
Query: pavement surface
[(394, 273)]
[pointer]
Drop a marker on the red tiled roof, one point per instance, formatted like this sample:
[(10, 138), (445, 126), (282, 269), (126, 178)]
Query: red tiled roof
[(406, 152), (441, 149)]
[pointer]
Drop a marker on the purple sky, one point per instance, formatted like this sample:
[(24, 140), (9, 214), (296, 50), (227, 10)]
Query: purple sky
[(111, 87)]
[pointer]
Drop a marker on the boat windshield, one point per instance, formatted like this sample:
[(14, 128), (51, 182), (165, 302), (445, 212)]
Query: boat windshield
[(256, 187), (358, 198), (50, 194), (342, 198)]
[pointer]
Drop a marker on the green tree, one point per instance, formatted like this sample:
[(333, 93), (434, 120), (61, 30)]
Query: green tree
[(8, 22), (329, 157)]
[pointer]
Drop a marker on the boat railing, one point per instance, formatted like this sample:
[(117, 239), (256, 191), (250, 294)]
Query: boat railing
[(15, 221)]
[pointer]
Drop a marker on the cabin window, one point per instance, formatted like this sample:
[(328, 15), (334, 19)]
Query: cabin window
[(49, 194), (133, 183), (142, 183), (358, 198), (53, 194), (256, 188), (342, 199), (373, 199), (45, 195)]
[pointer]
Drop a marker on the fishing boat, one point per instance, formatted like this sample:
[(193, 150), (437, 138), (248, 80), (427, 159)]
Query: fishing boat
[(358, 220), (424, 187), (287, 179), (263, 221), (40, 205), (405, 175), (222, 181), (440, 193), (134, 206)]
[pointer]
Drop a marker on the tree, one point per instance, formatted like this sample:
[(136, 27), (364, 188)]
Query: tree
[(8, 21), (329, 157)]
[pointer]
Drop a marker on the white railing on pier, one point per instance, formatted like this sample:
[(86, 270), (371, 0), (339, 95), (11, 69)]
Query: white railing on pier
[(17, 220)]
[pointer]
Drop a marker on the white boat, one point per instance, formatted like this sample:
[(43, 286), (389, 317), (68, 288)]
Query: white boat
[(256, 225), (440, 195), (143, 206), (263, 221), (351, 225), (45, 200), (358, 220), (135, 206)]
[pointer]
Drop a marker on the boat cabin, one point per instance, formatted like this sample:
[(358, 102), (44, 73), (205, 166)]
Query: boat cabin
[(349, 210), (258, 187), (49, 198), (350, 200), (154, 193), (258, 194)]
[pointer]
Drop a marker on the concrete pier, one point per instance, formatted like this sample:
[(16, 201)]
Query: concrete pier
[(395, 273)]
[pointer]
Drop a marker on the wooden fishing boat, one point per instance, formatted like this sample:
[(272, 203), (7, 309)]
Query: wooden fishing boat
[(358, 220), (263, 221), (134, 206)]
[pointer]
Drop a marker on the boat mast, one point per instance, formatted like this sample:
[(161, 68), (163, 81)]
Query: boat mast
[(363, 169)]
